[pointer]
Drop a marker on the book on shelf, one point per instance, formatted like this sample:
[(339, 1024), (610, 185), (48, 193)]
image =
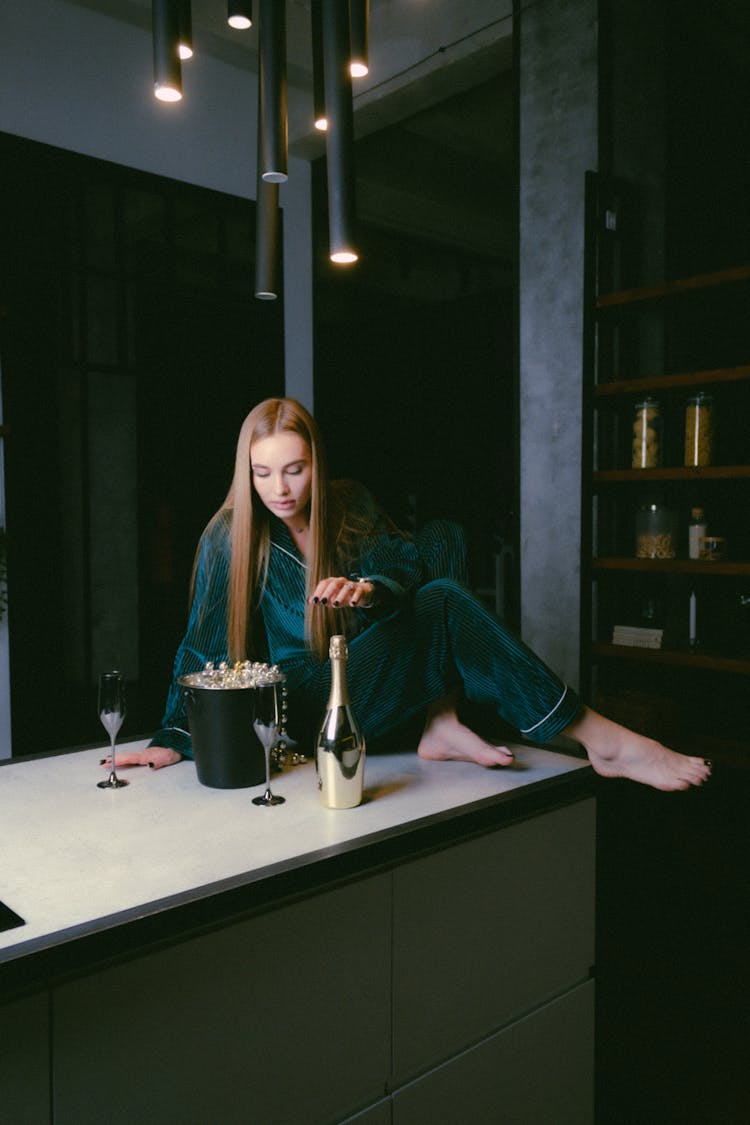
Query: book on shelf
[(636, 636)]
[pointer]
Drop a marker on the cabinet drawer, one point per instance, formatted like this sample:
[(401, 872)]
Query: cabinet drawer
[(538, 1070), (280, 1018), (487, 931)]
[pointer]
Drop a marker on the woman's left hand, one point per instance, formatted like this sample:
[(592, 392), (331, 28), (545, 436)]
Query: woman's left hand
[(153, 756), (343, 592)]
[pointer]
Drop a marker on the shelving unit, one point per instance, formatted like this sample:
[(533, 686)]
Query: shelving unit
[(666, 341)]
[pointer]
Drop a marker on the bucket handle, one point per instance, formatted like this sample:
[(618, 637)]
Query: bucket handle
[(192, 696)]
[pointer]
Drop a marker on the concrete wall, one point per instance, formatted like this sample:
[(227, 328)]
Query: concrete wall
[(558, 144)]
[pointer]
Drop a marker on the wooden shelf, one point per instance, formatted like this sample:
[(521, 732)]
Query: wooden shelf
[(674, 566), (675, 472), (678, 288), (691, 331), (679, 658), (667, 382)]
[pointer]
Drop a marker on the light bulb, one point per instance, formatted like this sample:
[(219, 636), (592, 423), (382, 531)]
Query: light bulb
[(240, 23), (185, 51), (358, 69), (321, 123), (344, 257), (167, 93)]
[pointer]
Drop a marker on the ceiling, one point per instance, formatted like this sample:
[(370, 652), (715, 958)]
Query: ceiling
[(413, 148)]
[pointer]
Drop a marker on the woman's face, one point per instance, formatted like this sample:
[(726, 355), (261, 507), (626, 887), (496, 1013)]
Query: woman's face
[(282, 475)]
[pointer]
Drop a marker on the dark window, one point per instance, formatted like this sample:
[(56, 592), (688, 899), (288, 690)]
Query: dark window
[(132, 348)]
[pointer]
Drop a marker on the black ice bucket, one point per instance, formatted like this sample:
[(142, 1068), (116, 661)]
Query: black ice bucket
[(227, 752)]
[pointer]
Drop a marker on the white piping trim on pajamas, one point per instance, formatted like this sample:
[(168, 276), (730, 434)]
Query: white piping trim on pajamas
[(548, 715), (291, 556)]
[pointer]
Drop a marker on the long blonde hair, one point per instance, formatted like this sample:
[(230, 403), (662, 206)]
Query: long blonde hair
[(251, 538)]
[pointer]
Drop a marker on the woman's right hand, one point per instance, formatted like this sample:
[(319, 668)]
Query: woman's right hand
[(344, 592), (155, 757)]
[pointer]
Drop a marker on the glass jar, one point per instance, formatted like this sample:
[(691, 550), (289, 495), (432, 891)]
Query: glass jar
[(699, 430), (655, 532), (713, 548), (647, 435)]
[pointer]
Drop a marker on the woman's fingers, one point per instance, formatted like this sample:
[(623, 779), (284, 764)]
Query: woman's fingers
[(340, 592), (363, 594)]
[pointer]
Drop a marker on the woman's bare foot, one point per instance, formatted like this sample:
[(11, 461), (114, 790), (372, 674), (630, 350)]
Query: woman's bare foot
[(445, 738), (615, 751)]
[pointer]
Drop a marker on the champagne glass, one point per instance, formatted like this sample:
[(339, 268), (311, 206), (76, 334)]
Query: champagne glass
[(111, 713), (266, 724)]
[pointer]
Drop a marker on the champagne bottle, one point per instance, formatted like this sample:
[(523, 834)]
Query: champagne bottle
[(340, 746)]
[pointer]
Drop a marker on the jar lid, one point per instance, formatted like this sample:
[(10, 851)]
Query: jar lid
[(648, 403), (697, 513), (700, 398)]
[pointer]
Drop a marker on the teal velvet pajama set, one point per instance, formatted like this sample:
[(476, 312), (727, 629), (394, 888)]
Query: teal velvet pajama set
[(428, 636)]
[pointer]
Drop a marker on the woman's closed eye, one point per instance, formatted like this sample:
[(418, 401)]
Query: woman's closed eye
[(292, 470)]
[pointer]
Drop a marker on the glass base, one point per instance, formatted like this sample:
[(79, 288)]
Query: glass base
[(268, 798), (112, 782)]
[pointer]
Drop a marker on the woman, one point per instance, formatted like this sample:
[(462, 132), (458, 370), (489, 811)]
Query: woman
[(291, 558)]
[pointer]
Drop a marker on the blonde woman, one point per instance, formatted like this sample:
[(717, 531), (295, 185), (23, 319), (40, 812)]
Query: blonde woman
[(291, 558)]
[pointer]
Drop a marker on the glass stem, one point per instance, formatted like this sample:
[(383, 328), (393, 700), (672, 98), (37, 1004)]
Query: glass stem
[(113, 774)]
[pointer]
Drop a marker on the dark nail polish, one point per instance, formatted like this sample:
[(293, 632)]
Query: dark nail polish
[(150, 765), (335, 605), (324, 601), (315, 601), (102, 761)]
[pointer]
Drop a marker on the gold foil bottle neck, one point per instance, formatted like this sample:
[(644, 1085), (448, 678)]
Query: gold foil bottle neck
[(338, 648)]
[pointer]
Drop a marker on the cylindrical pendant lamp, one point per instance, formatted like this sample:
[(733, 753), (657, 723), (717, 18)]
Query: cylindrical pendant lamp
[(319, 97), (266, 221), (165, 23), (185, 40), (340, 132), (240, 14), (359, 17), (272, 90), (267, 240)]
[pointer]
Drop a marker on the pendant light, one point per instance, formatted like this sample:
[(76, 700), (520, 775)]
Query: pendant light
[(359, 20), (319, 98), (185, 38), (340, 132), (272, 91), (240, 14), (165, 23), (266, 240)]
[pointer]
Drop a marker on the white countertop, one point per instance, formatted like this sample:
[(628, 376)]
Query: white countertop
[(73, 855)]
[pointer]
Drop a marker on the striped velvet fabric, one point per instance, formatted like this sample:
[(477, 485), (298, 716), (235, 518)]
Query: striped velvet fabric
[(430, 636)]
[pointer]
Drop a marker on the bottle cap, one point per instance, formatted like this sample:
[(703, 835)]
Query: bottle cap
[(337, 648), (697, 513)]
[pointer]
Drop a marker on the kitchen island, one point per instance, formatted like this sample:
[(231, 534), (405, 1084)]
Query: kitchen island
[(186, 956)]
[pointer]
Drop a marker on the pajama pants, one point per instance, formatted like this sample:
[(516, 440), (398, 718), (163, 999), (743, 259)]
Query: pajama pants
[(442, 640)]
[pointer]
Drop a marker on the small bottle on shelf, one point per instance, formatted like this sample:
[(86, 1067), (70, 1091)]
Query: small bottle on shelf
[(693, 620), (696, 532)]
